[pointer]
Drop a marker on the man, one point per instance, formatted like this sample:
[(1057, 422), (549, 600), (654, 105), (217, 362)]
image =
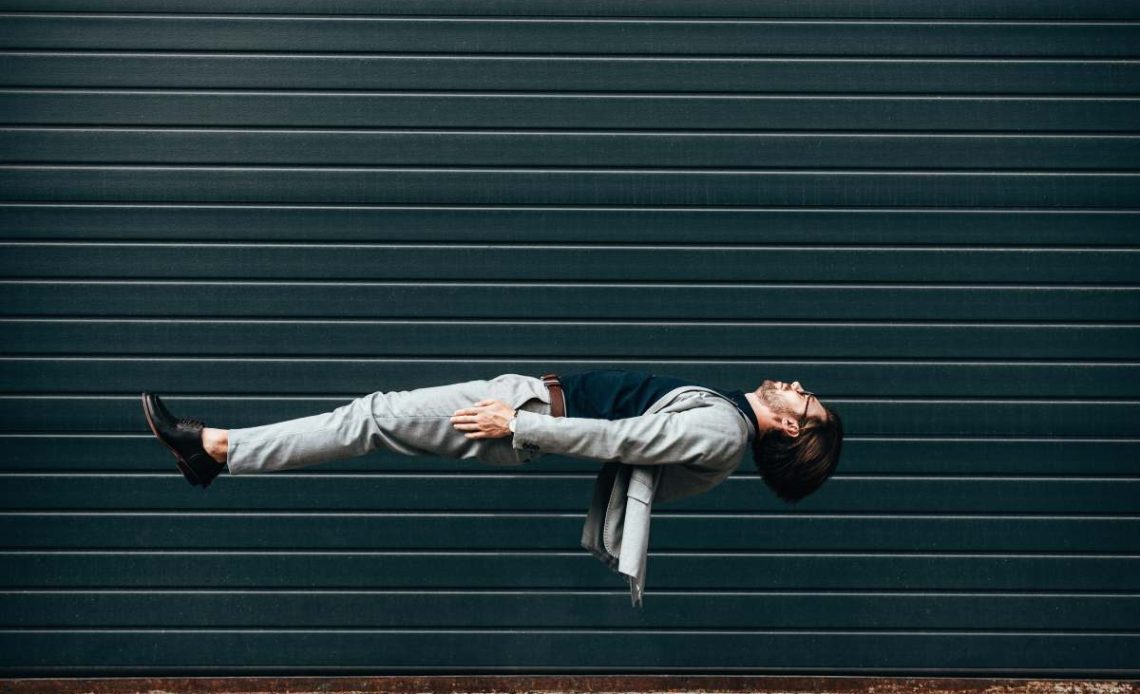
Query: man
[(660, 437)]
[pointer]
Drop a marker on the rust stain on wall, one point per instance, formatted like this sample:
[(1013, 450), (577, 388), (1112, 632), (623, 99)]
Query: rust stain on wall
[(523, 684)]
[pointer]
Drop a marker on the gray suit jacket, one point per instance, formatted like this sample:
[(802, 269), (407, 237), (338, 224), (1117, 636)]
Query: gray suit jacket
[(687, 442)]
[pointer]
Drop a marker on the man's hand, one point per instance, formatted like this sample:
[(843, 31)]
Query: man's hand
[(487, 419)]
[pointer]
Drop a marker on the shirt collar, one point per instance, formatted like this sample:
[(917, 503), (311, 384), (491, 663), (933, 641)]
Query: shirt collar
[(745, 407)]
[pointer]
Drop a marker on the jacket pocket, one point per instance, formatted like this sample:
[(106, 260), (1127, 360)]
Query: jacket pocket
[(515, 389), (639, 490)]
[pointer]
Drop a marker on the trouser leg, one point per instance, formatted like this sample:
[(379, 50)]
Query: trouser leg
[(412, 422)]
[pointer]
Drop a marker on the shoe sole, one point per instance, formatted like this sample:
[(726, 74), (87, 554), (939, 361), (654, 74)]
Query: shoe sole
[(187, 471)]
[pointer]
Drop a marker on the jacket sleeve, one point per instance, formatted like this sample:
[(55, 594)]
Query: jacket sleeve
[(706, 435)]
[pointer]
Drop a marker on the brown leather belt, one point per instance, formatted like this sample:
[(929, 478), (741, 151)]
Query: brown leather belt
[(557, 397)]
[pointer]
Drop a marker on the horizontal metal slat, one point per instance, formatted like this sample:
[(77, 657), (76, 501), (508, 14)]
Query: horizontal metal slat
[(520, 110), (486, 609), (604, 340), (982, 455), (602, 74), (830, 378), (448, 492), (567, 186), (557, 149), (188, 652), (574, 36), (314, 223), (962, 9), (498, 530), (568, 570), (459, 262), (457, 300)]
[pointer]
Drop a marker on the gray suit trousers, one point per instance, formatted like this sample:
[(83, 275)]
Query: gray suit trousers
[(412, 422)]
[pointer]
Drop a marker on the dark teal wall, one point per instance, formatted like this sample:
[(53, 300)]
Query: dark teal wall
[(924, 211)]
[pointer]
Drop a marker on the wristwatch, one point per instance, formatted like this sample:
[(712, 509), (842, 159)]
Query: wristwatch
[(511, 423)]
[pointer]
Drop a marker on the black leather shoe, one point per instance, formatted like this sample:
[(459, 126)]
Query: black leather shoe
[(184, 439)]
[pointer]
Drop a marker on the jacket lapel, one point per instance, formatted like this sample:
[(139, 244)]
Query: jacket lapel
[(617, 523)]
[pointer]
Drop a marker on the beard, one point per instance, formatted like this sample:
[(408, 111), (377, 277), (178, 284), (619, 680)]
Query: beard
[(769, 394)]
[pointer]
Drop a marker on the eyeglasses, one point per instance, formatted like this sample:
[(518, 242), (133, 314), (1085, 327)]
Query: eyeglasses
[(803, 418)]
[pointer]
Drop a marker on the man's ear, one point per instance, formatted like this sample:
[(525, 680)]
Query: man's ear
[(789, 427)]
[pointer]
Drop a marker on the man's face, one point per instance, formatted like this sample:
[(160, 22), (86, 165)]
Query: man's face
[(789, 399)]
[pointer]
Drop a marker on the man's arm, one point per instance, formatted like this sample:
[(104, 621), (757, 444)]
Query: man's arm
[(707, 435)]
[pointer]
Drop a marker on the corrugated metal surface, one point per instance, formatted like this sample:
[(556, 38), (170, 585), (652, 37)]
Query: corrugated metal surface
[(926, 212)]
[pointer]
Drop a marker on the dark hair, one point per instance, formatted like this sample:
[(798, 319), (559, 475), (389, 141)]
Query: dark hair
[(795, 466)]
